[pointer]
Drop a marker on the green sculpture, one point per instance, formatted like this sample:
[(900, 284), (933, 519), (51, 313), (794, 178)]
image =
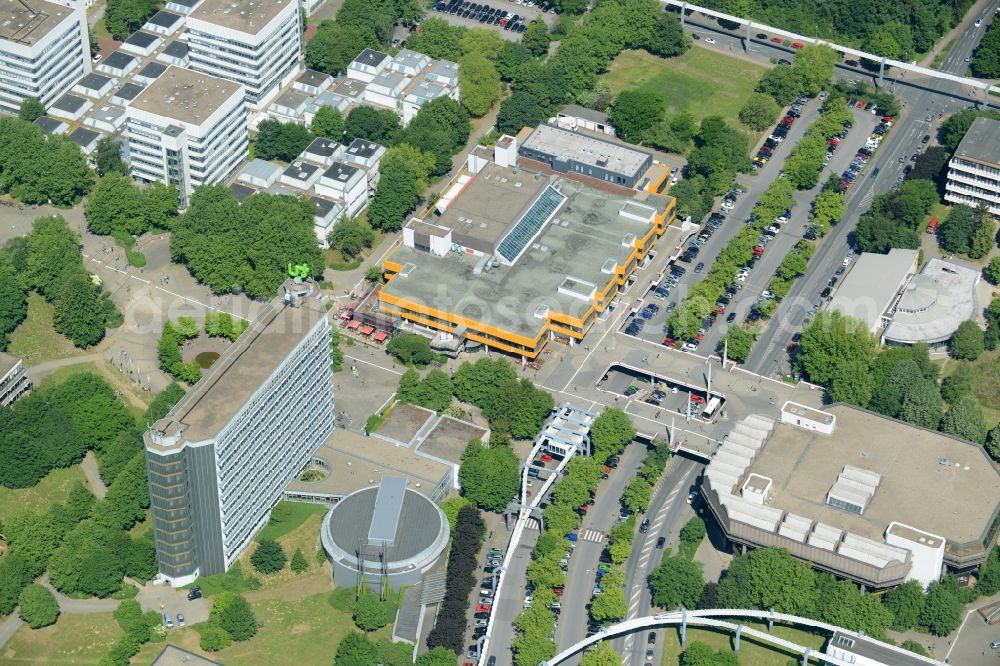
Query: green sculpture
[(298, 271)]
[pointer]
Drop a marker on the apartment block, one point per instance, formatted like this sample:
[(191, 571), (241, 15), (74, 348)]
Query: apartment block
[(44, 51), (974, 170), (14, 381), (220, 460), (256, 43), (187, 129)]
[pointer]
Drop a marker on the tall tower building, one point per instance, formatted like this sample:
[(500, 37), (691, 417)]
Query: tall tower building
[(219, 461)]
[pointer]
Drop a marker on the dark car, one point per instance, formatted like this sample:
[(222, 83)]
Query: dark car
[(660, 543), (644, 527), (731, 318), (481, 616), (612, 462), (194, 593), (927, 137), (825, 292), (699, 267)]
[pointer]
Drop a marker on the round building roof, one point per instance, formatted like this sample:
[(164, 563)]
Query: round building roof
[(920, 294), (411, 529)]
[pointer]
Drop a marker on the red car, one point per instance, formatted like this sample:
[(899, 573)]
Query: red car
[(797, 45), (697, 399), (484, 608), (546, 458), (787, 120), (699, 336), (766, 149), (777, 40), (558, 591), (669, 341), (834, 141), (758, 250)]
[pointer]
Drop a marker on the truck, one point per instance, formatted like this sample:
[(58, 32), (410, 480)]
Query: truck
[(932, 226)]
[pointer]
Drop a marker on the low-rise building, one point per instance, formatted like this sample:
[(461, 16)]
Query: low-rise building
[(254, 43), (323, 151), (312, 82), (141, 43), (164, 23), (94, 85), (933, 304), (513, 258), (150, 73), (289, 107), (367, 65), (128, 92), (873, 285), (14, 381), (326, 213), (187, 129), (346, 182), (301, 175), (366, 154), (574, 117), (856, 494), (52, 125), (182, 7), (175, 53), (108, 119), (974, 169), (118, 64), (261, 173), (70, 107), (44, 50)]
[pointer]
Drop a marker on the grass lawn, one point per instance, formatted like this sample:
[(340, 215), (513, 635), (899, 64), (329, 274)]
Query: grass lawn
[(293, 514), (701, 81), (942, 55), (751, 652), (985, 382), (35, 340), (53, 488), (74, 639)]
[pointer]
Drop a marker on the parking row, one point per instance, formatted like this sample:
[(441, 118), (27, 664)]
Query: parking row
[(483, 13)]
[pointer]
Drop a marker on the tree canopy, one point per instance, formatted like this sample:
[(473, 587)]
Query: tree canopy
[(246, 247), (117, 205), (636, 111), (837, 351), (676, 582), (36, 168), (489, 475)]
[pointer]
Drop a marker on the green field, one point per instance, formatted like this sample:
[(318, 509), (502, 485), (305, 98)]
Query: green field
[(701, 81), (751, 652), (292, 515), (50, 490), (75, 640), (35, 341)]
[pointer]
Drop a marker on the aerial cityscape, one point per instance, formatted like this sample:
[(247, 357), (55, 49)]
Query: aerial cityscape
[(502, 333)]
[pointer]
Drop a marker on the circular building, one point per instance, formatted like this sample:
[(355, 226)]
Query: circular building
[(386, 535)]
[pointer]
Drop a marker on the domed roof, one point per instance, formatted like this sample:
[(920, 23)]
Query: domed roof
[(921, 293)]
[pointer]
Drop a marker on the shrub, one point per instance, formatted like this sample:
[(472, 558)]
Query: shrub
[(371, 613), (38, 608), (269, 557)]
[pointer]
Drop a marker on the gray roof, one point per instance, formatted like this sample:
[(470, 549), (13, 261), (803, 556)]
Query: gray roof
[(241, 191), (248, 16), (981, 142), (7, 362), (262, 169), (292, 98), (387, 511), (93, 81), (118, 60), (875, 650), (50, 125), (322, 206), (152, 70), (363, 148), (577, 111), (186, 96), (176, 49), (872, 283), (321, 146), (164, 19), (300, 170), (417, 529), (444, 68), (142, 39), (370, 57), (69, 103), (341, 171), (108, 113), (84, 137), (130, 91), (558, 143), (185, 3), (350, 88), (934, 303), (171, 655), (27, 24), (311, 77)]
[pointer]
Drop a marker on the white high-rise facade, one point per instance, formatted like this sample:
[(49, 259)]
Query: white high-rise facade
[(187, 129), (256, 43), (974, 170), (44, 51)]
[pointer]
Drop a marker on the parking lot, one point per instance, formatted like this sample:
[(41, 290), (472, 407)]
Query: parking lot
[(661, 391), (510, 19)]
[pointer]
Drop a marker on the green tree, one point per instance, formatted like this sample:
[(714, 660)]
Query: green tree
[(299, 563), (396, 196), (328, 123), (676, 582), (366, 122), (214, 637), (827, 209), (15, 574), (637, 494), (269, 557), (635, 112), (439, 656), (881, 42), (351, 237), (905, 602), (123, 17), (609, 605), (536, 37), (336, 44), (814, 66), (693, 531), (109, 157), (988, 582), (13, 299), (992, 271), (489, 476), (78, 314), (31, 109), (965, 420), (355, 650), (479, 82), (520, 110), (922, 405), (781, 83), (837, 351), (942, 611), (967, 341), (51, 248), (768, 578), (956, 230), (438, 39), (740, 341), (411, 349), (983, 237), (610, 432), (371, 613), (238, 620), (604, 655), (759, 111), (38, 608), (667, 38)]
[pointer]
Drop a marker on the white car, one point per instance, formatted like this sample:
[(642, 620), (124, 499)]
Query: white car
[(774, 229), (782, 219), (710, 40), (776, 138), (527, 601), (689, 347), (727, 205), (979, 22), (847, 261)]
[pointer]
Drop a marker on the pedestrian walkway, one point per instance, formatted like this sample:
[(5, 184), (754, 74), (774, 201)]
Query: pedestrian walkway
[(593, 535)]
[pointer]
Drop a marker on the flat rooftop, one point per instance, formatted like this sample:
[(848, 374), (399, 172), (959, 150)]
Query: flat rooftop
[(243, 367), (7, 362), (249, 16), (929, 481), (874, 280), (587, 149), (26, 26), (559, 269), (981, 142), (491, 202), (934, 303), (186, 96)]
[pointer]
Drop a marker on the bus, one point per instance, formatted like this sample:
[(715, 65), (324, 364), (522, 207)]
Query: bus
[(710, 408)]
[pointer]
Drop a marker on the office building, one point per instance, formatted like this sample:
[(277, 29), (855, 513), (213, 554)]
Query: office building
[(219, 461), (513, 258), (974, 169), (44, 51), (574, 117), (256, 43), (14, 381), (856, 494), (187, 129), (933, 304), (868, 291)]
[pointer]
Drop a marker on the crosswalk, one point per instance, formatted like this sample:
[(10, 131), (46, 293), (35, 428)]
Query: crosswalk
[(586, 535)]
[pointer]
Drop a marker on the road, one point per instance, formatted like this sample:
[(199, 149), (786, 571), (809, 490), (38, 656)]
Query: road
[(668, 512)]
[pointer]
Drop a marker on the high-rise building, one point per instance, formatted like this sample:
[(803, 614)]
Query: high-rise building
[(256, 43), (44, 51), (219, 461), (974, 170), (187, 129)]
